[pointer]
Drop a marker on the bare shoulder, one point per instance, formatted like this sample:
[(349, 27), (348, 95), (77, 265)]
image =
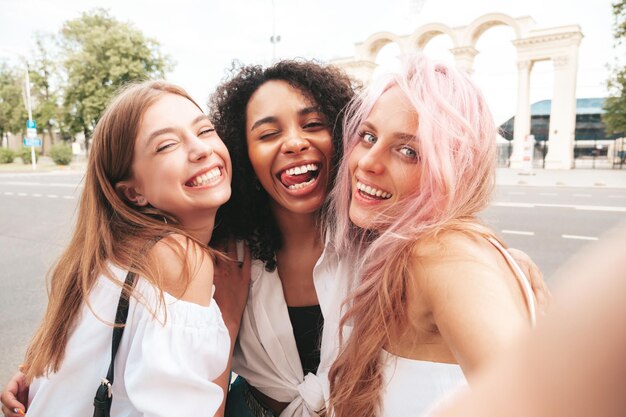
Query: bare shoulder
[(463, 264), (474, 298), (445, 253), (185, 268)]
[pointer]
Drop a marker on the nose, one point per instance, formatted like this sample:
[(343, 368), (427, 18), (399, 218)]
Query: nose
[(371, 160), (199, 149), (295, 144)]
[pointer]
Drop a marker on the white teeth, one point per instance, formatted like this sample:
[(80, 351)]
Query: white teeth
[(374, 192), (301, 185), (302, 169), (207, 177)]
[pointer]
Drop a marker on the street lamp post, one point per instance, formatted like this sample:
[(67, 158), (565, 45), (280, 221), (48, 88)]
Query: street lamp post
[(274, 39)]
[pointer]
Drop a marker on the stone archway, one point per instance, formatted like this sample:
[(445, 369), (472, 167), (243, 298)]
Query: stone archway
[(559, 44)]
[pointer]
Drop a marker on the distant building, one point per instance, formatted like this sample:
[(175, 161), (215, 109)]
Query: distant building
[(589, 124), (591, 139)]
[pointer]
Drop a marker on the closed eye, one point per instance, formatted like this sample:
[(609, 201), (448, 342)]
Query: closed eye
[(165, 146), (207, 131)]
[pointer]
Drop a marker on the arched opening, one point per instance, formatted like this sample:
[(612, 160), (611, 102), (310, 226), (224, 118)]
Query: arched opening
[(495, 71), (387, 59), (438, 48)]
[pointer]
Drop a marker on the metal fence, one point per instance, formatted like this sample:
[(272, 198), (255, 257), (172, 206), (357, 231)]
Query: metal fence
[(596, 154)]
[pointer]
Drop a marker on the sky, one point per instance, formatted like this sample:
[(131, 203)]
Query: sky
[(203, 38)]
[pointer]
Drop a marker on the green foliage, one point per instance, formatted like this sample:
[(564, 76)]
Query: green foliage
[(12, 111), (102, 54), (45, 80), (25, 154), (615, 104), (61, 154), (6, 156)]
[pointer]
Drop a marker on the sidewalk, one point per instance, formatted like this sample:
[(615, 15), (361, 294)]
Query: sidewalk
[(605, 178), (44, 164)]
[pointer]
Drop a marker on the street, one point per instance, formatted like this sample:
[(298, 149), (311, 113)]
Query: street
[(37, 213)]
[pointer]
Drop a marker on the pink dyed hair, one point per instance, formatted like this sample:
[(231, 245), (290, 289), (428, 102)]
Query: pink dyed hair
[(457, 148)]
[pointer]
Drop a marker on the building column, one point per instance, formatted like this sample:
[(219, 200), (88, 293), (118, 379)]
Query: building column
[(563, 114), (521, 127), (464, 58)]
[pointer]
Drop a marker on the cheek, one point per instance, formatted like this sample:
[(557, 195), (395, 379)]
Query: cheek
[(353, 159), (407, 181)]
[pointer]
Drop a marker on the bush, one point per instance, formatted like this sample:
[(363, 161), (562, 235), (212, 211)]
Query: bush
[(6, 155), (61, 154), (25, 155)]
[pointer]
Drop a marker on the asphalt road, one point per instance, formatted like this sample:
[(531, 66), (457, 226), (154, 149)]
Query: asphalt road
[(37, 212)]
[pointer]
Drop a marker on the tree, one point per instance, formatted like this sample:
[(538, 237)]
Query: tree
[(615, 104), (12, 111), (44, 78), (102, 54)]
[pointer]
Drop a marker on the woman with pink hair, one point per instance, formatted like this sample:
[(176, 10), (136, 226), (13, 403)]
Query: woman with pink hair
[(437, 295)]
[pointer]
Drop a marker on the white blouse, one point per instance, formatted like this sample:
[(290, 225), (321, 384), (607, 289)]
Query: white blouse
[(165, 365)]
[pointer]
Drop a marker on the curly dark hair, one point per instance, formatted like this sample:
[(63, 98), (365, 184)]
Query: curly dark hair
[(247, 214)]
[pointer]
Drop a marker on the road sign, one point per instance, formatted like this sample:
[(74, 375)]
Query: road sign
[(32, 141), (31, 133), (31, 124)]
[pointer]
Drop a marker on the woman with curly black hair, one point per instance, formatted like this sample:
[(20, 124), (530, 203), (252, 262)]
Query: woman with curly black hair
[(283, 128)]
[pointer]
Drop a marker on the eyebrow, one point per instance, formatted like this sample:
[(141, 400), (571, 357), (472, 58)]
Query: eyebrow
[(406, 137), (160, 132), (274, 119)]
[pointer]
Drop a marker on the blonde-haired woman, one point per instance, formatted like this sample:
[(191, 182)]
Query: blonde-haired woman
[(157, 173), (436, 296)]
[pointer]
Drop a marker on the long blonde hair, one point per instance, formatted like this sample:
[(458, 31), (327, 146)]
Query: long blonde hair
[(456, 145), (109, 229)]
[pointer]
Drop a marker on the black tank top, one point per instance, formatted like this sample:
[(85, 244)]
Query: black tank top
[(307, 323)]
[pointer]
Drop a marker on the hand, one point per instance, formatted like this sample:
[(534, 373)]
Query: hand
[(15, 396), (232, 283), (538, 284)]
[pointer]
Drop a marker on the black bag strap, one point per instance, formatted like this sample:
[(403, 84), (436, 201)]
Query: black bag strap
[(102, 400), (120, 318)]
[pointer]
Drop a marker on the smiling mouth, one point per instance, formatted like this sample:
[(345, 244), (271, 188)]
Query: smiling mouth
[(205, 179), (371, 192), (296, 178)]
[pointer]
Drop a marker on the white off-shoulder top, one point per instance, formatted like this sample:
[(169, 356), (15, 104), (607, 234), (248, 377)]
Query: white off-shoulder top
[(165, 365)]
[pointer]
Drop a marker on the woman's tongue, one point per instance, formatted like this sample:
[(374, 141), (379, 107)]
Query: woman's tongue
[(288, 180)]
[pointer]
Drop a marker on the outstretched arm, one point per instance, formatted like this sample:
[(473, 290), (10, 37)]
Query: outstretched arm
[(573, 364)]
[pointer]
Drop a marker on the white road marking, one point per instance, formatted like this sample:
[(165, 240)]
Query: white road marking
[(41, 184), (571, 206), (579, 237), (518, 232), (66, 197), (617, 196)]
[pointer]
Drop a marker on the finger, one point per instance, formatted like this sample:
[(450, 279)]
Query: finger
[(11, 407), (239, 249), (247, 257)]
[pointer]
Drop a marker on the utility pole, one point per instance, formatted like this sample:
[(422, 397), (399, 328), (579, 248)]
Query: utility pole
[(31, 124), (274, 39)]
